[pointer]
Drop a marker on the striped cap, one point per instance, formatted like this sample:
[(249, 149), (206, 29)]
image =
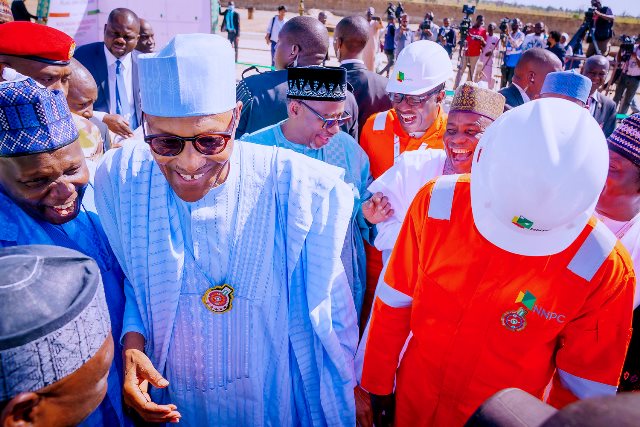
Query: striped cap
[(625, 140)]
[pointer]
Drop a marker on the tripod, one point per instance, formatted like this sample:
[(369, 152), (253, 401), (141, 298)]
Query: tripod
[(576, 40)]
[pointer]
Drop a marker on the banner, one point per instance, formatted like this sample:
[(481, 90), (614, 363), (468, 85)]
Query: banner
[(77, 18)]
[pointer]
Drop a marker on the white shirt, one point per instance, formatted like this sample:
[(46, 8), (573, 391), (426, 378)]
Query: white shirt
[(126, 68), (492, 42), (275, 29), (628, 232), (524, 95), (531, 41), (352, 61)]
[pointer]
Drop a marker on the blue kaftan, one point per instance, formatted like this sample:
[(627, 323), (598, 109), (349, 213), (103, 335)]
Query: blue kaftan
[(84, 234), (341, 151), (283, 354)]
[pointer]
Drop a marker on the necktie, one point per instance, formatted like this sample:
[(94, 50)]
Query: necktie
[(122, 100)]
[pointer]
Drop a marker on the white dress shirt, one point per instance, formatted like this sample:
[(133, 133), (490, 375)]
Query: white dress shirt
[(126, 68), (351, 61)]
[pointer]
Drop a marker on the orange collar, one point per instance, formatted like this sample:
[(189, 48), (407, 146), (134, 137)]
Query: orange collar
[(435, 131)]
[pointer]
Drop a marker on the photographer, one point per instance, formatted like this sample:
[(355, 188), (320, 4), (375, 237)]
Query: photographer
[(602, 28), (404, 35), (429, 30), (447, 37), (627, 86), (513, 46), (475, 42)]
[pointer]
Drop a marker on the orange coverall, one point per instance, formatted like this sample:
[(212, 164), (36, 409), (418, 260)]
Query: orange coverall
[(484, 319), (377, 140)]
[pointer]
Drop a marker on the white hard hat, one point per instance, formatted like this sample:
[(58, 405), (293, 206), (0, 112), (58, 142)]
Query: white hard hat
[(420, 67), (536, 176)]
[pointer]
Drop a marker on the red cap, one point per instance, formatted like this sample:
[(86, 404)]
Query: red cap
[(36, 42)]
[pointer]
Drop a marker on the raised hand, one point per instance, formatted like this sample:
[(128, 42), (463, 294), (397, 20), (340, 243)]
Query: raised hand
[(377, 208)]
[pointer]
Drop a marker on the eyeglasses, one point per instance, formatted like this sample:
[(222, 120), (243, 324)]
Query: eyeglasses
[(413, 100), (209, 144), (331, 122)]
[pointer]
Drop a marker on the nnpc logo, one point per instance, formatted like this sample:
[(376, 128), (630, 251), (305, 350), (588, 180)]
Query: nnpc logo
[(527, 299)]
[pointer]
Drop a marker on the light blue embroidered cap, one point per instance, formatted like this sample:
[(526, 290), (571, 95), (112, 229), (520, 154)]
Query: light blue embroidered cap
[(567, 83), (193, 75)]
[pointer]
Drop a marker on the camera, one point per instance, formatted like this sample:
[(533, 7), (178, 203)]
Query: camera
[(626, 47), (588, 15), (504, 28), (467, 9), (465, 24)]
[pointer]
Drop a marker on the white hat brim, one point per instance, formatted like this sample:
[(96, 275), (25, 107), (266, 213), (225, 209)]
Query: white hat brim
[(511, 238)]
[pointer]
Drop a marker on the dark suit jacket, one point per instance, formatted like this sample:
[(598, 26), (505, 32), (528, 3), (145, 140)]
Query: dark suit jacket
[(92, 56), (605, 113), (512, 97), (236, 21), (370, 91), (264, 103)]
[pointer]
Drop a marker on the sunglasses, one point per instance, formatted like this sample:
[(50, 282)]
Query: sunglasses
[(413, 100), (209, 144), (329, 123)]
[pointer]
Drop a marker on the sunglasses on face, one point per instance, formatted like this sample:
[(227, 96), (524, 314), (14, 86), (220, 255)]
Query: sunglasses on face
[(413, 100), (331, 122), (209, 144)]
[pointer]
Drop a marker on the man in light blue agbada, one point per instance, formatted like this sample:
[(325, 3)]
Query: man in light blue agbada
[(46, 199), (315, 106), (238, 310)]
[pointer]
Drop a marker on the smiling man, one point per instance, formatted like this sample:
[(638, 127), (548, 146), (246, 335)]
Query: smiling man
[(601, 107), (312, 129), (114, 67), (46, 199), (415, 120), (472, 110), (238, 309)]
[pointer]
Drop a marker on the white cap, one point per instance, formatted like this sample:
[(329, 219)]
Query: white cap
[(371, 10), (193, 75), (420, 67), (536, 176)]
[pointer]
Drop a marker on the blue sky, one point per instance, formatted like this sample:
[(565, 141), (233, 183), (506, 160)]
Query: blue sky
[(631, 7)]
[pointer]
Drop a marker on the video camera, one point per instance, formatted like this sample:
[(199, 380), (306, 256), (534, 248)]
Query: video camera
[(465, 24), (626, 47), (504, 28), (588, 16), (427, 22)]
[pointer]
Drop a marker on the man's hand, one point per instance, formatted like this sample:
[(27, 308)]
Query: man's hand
[(267, 38), (138, 373), (377, 208), (384, 409), (364, 415), (118, 125)]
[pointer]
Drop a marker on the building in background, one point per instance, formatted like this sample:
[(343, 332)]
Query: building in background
[(84, 20)]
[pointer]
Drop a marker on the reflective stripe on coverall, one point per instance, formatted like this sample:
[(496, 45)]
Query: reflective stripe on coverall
[(380, 134), (484, 319)]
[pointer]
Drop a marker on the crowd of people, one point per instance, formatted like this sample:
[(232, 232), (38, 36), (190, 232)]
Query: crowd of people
[(312, 245), (497, 48)]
